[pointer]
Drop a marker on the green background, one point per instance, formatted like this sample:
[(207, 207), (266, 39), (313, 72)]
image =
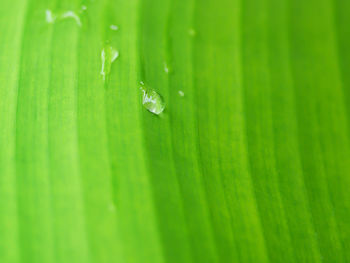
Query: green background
[(251, 165)]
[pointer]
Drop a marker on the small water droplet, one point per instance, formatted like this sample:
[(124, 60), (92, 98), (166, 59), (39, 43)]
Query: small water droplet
[(181, 93), (114, 27), (108, 56), (49, 16), (166, 68), (142, 83), (83, 7), (152, 101), (192, 32), (73, 15)]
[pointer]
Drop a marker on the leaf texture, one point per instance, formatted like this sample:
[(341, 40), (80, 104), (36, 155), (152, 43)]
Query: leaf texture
[(249, 162)]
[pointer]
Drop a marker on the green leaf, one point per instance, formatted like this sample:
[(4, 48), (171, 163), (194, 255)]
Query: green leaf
[(235, 149)]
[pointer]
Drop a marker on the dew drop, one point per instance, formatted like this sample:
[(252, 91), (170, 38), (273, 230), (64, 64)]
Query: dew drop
[(114, 27), (152, 101), (181, 93), (73, 15), (166, 68), (49, 16), (108, 56), (83, 7)]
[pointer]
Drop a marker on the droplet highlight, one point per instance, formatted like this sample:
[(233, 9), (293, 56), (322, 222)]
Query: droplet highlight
[(166, 68), (108, 56), (181, 93), (114, 27), (152, 101)]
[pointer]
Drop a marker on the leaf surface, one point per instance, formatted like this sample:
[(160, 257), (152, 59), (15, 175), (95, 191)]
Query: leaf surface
[(249, 162)]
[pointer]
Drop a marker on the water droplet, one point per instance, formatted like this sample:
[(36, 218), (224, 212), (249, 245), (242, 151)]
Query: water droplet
[(142, 83), (50, 17), (73, 15), (114, 27), (166, 68), (181, 93), (152, 101), (192, 32), (83, 7), (108, 56)]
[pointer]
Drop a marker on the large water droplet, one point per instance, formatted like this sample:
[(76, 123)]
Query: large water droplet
[(108, 56), (152, 101)]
